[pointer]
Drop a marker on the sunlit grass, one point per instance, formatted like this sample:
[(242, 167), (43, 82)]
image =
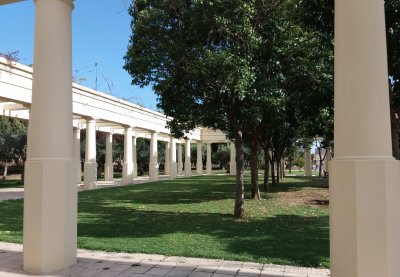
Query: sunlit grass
[(193, 217)]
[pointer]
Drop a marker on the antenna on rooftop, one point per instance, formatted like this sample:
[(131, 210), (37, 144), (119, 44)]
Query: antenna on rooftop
[(95, 82)]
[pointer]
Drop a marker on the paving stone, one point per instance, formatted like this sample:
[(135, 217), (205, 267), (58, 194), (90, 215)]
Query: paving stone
[(138, 269), (250, 272), (295, 274), (207, 268), (103, 264), (271, 274), (179, 273), (227, 270), (155, 271), (200, 274), (222, 275)]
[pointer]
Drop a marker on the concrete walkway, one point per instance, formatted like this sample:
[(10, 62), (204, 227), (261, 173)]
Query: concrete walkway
[(102, 264)]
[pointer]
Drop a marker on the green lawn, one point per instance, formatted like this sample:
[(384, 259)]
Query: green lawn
[(10, 184), (193, 217)]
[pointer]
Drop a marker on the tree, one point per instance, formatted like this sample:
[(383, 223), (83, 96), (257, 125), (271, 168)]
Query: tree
[(215, 63), (13, 134), (392, 8), (198, 56)]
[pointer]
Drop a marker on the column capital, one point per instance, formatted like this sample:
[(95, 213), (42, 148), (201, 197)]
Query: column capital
[(68, 2)]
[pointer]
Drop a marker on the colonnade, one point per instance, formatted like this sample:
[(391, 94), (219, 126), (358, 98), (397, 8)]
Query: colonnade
[(173, 164), (364, 191)]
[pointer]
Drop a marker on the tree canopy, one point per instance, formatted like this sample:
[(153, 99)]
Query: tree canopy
[(229, 64)]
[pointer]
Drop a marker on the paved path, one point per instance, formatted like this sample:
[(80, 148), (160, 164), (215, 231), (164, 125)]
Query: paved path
[(102, 264)]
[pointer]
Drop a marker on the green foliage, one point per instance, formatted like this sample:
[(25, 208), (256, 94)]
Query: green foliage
[(197, 55), (192, 217), (392, 8), (13, 133)]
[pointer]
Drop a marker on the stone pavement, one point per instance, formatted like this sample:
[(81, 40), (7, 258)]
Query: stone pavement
[(102, 264)]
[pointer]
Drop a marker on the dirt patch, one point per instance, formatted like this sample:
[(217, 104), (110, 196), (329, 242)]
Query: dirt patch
[(315, 197)]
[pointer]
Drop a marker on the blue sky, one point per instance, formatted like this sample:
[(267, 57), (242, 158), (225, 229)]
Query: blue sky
[(100, 35)]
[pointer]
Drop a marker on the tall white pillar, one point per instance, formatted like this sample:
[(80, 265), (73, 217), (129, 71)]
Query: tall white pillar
[(109, 164), (364, 189), (90, 168), (180, 162), (167, 160), (232, 164), (307, 162), (208, 163), (173, 165), (188, 162), (77, 154), (127, 167), (50, 202), (153, 165), (199, 160), (134, 157)]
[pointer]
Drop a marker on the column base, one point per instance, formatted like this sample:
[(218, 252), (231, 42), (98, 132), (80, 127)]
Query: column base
[(50, 215), (188, 169), (90, 175), (134, 173), (153, 171), (173, 171), (108, 172), (364, 220), (232, 169), (78, 172), (127, 173), (199, 168)]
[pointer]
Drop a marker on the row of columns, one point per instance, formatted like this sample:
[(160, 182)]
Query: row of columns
[(364, 190), (173, 164)]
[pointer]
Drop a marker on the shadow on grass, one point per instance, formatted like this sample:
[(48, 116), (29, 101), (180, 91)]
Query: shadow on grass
[(10, 184), (191, 217), (287, 239)]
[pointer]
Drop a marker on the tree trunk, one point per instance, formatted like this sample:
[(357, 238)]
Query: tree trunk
[(278, 171), (5, 171), (255, 189), (282, 169), (394, 124), (290, 167), (320, 163), (239, 200), (273, 179), (266, 169)]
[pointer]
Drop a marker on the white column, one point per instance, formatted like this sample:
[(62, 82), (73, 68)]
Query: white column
[(173, 165), (50, 202), (134, 157), (153, 165), (127, 167), (77, 151), (188, 162), (180, 163), (90, 168), (109, 164), (208, 163), (364, 177), (167, 160), (232, 164), (307, 162), (199, 160)]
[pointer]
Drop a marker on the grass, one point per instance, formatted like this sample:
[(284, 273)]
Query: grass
[(10, 184), (193, 217)]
